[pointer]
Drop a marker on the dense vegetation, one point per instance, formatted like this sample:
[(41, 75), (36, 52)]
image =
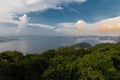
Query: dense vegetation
[(101, 62)]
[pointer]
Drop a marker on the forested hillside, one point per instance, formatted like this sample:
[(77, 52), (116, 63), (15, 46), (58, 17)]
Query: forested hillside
[(100, 62)]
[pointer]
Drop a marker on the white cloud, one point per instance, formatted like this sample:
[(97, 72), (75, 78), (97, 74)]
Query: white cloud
[(41, 26), (109, 26), (40, 5), (73, 28), (81, 26), (22, 23), (67, 28), (23, 26), (8, 8)]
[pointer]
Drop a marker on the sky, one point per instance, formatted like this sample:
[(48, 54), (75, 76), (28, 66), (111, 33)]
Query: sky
[(60, 17)]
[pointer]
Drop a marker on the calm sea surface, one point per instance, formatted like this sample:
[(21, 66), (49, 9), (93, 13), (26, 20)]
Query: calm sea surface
[(41, 44)]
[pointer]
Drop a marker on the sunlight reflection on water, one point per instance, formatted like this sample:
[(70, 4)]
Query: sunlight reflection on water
[(38, 44)]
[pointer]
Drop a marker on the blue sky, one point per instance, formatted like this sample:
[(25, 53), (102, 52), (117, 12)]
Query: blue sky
[(60, 17), (89, 11)]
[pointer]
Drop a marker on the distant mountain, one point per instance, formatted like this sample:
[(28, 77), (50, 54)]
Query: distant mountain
[(5, 39), (82, 45), (114, 38)]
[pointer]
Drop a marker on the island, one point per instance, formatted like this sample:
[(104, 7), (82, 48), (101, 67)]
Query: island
[(5, 39), (82, 45)]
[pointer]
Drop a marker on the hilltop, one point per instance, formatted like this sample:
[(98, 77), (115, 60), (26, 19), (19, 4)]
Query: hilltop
[(100, 62)]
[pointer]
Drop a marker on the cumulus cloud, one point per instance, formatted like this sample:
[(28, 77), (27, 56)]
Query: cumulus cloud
[(66, 28), (22, 26), (22, 23), (109, 29), (109, 26), (9, 9), (73, 28), (81, 26)]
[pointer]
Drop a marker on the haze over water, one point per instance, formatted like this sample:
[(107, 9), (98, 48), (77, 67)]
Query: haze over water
[(37, 44)]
